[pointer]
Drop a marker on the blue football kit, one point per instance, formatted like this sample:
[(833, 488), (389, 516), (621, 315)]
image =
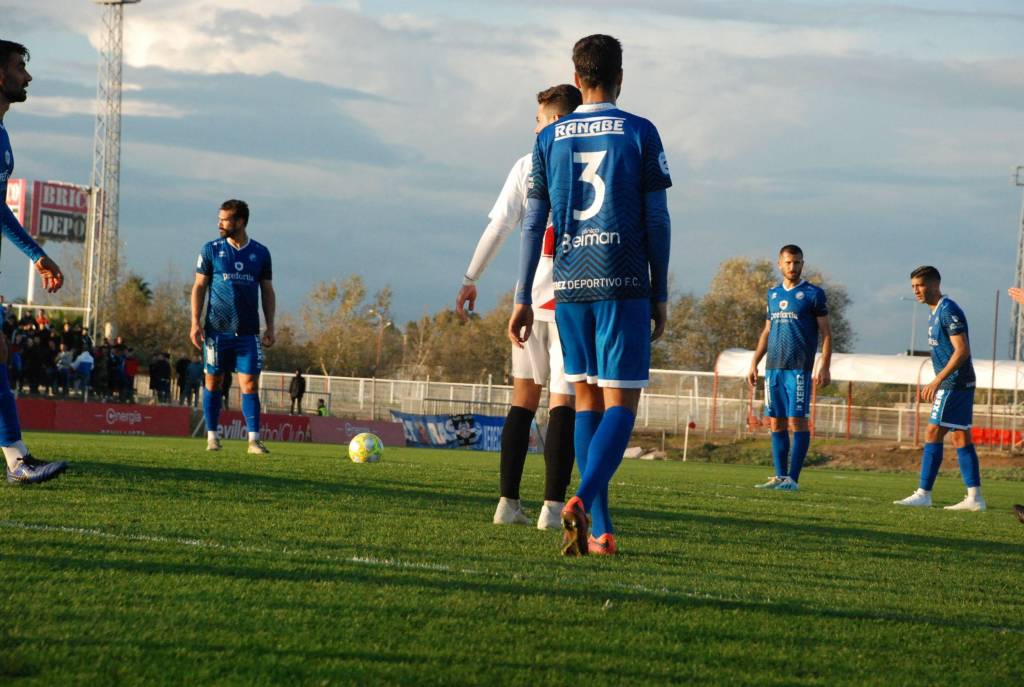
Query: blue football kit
[(232, 310), (598, 167), (953, 406), (792, 344)]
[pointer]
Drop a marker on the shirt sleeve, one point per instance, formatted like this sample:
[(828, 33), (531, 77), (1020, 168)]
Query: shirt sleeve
[(13, 230), (953, 323), (205, 263), (538, 184), (655, 164), (820, 303), (505, 216)]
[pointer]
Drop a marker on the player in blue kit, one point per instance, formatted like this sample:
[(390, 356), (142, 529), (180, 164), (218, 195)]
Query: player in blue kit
[(951, 394), (22, 468), (232, 274), (797, 314), (602, 174)]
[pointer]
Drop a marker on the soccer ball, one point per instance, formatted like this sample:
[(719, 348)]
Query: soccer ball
[(365, 448)]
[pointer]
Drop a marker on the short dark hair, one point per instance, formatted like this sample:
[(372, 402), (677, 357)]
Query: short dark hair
[(564, 97), (792, 249), (8, 48), (598, 60), (926, 272), (238, 208)]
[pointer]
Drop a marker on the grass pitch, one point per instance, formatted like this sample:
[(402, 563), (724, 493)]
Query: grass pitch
[(154, 562)]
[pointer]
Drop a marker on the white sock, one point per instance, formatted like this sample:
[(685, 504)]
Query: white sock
[(254, 436), (12, 454), (974, 492), (922, 492), (554, 504), (211, 435), (514, 503)]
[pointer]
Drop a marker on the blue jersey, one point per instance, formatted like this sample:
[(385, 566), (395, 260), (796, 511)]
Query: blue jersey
[(793, 314), (946, 321), (8, 222), (233, 304), (595, 166)]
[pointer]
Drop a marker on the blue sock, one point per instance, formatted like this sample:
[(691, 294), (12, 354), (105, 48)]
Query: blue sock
[(801, 442), (970, 470), (211, 408), (251, 411), (603, 459), (587, 422), (780, 452), (931, 461), (10, 428)]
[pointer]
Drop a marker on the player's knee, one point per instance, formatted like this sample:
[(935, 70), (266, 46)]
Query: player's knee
[(213, 382), (934, 434)]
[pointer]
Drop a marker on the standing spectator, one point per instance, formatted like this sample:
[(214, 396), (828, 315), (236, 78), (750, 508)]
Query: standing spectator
[(181, 372), (101, 373), (63, 365), (194, 377), (82, 366), (33, 361), (321, 408), (131, 369), (115, 372), (160, 378), (50, 365), (87, 344), (296, 390)]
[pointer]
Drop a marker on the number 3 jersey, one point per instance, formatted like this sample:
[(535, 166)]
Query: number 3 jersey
[(596, 166), (234, 294)]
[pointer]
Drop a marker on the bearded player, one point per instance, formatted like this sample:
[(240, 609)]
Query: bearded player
[(233, 276), (602, 174), (540, 359), (22, 468)]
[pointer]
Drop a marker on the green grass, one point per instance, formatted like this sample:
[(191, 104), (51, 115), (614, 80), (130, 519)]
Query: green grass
[(154, 562)]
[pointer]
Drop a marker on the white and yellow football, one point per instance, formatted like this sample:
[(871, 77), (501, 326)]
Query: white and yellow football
[(365, 448)]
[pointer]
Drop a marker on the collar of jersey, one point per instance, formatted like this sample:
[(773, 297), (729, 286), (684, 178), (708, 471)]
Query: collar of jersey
[(595, 107), (798, 285), (936, 308), (242, 247)]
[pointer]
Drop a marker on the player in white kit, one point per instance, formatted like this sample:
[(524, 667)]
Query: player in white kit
[(539, 362)]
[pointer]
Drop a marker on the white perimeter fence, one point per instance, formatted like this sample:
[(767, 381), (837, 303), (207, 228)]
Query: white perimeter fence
[(715, 406)]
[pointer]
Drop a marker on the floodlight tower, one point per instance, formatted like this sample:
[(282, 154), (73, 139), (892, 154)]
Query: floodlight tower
[(1016, 316), (102, 243)]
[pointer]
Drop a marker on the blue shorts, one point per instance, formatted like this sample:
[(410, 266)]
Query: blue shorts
[(240, 353), (607, 343), (787, 393), (953, 408)]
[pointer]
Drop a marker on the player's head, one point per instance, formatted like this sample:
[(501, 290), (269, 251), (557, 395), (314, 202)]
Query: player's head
[(927, 284), (598, 62), (14, 76), (233, 218), (791, 262), (556, 102)]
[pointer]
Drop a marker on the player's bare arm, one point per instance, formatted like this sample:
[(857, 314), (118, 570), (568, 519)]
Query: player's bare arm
[(199, 287), (520, 325), (824, 376), (659, 315), (269, 300), (50, 273), (961, 352), (759, 351)]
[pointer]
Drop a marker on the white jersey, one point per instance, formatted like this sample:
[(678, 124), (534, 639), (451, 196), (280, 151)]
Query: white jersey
[(506, 215)]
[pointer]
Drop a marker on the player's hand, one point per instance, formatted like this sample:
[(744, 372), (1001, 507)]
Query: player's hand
[(467, 296), (659, 314), (824, 378), (520, 325), (928, 390), (1016, 294), (752, 376), (52, 277), (196, 335), (269, 337)]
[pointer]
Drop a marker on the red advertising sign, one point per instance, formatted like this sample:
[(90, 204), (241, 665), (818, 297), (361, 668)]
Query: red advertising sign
[(272, 427), (60, 212), (37, 414), (16, 191), (333, 430), (115, 418)]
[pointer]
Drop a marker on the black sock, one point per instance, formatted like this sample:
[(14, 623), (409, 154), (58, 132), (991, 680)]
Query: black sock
[(558, 453), (515, 442)]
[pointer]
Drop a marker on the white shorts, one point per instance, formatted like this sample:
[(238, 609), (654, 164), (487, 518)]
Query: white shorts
[(541, 358)]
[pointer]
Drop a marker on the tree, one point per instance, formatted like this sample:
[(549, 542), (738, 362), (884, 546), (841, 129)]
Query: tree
[(152, 318)]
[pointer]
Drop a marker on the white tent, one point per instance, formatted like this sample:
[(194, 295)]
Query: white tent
[(885, 369)]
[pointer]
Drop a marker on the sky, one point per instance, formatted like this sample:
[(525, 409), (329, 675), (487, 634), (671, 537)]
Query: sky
[(372, 138)]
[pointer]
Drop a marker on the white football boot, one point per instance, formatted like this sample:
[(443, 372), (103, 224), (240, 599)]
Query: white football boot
[(213, 444), (550, 516), (510, 512), (772, 483), (920, 498), (787, 484), (975, 504)]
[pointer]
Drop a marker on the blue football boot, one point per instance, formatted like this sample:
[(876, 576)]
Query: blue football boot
[(32, 471)]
